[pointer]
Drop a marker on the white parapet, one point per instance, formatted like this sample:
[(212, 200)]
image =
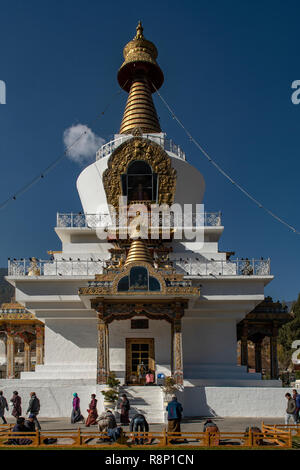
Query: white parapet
[(56, 399)]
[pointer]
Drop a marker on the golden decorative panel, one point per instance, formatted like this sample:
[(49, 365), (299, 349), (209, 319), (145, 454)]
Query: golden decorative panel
[(139, 148)]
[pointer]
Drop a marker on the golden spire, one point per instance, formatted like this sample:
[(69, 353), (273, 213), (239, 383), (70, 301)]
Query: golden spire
[(140, 75), (138, 252)]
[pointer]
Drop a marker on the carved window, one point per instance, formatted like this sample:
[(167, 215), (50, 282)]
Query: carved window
[(139, 183), (138, 280)]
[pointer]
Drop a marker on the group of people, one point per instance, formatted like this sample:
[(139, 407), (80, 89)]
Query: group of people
[(138, 423), (16, 403), (293, 407), (107, 422), (93, 418), (22, 425)]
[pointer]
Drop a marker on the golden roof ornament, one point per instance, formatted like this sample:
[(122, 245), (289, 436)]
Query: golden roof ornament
[(138, 253), (140, 76)]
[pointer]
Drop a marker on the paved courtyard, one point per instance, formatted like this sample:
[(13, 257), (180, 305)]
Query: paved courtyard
[(193, 425)]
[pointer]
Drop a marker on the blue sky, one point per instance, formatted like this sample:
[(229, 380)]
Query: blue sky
[(228, 68)]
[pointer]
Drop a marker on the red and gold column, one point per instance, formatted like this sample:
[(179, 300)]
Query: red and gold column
[(10, 355), (27, 361), (177, 362), (39, 344), (244, 345), (102, 351), (273, 354), (258, 362)]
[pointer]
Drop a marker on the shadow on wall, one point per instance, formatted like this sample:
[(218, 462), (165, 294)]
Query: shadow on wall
[(83, 333), (194, 402)]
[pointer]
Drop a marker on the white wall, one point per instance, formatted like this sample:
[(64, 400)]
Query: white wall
[(56, 399), (208, 341), (234, 401), (70, 341)]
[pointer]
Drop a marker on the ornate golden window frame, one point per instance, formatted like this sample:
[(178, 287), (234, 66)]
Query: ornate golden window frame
[(139, 148)]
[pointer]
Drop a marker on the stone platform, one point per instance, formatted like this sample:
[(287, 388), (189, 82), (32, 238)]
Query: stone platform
[(56, 399)]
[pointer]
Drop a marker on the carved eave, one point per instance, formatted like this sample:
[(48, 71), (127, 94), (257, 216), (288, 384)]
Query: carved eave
[(109, 310), (172, 285), (14, 312)]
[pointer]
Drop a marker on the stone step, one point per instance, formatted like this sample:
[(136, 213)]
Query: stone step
[(51, 375), (63, 367), (147, 400)]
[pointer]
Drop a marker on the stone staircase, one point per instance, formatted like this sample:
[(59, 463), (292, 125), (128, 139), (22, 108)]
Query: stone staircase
[(147, 400)]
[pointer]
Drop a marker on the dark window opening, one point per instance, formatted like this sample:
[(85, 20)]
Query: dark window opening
[(139, 183), (140, 324)]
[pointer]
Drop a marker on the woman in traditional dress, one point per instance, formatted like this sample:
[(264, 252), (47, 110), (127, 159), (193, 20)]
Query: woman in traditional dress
[(92, 412), (125, 407), (16, 401), (76, 416)]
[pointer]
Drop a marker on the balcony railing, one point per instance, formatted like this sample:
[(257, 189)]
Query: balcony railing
[(167, 144), (57, 267), (77, 220), (90, 267), (237, 267)]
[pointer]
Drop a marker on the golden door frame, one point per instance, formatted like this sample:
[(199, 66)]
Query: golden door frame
[(130, 341)]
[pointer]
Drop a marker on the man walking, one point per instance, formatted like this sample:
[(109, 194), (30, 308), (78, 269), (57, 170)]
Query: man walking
[(296, 397), (174, 410), (3, 407), (34, 408), (290, 409)]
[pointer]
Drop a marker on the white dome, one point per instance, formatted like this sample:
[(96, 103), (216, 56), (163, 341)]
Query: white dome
[(190, 185)]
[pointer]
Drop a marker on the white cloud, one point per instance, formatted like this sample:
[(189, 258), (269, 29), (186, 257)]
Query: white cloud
[(84, 148)]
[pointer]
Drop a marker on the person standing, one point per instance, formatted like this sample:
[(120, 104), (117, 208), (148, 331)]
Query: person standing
[(92, 412), (16, 402), (34, 408), (296, 397), (290, 409), (76, 416), (3, 407), (149, 378), (125, 407), (174, 409)]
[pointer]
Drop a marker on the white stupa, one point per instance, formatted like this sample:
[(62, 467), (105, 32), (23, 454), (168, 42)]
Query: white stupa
[(111, 302)]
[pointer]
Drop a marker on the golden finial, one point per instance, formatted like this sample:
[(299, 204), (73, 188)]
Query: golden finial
[(140, 55), (140, 76), (139, 31)]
